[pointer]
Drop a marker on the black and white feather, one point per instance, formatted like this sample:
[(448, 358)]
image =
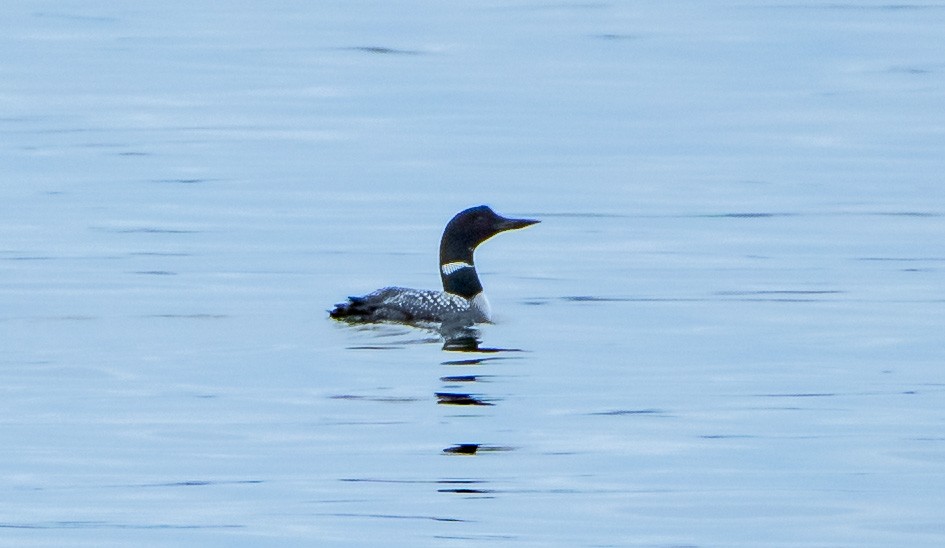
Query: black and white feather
[(462, 300), (401, 304)]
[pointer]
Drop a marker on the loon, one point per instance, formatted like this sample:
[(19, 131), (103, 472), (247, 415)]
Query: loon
[(462, 299)]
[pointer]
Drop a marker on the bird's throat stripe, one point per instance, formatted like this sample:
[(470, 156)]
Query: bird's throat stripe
[(450, 268)]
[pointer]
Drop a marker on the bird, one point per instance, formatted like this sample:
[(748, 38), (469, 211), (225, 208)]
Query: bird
[(462, 300)]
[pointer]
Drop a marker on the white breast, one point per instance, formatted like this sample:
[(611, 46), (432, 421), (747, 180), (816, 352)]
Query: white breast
[(481, 303)]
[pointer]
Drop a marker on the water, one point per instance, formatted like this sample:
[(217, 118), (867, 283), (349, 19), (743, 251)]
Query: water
[(726, 331)]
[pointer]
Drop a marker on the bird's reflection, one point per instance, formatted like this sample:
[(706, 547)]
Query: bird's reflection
[(461, 335), (457, 398), (462, 449), (466, 338)]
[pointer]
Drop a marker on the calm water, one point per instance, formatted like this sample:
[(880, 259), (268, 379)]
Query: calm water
[(727, 330)]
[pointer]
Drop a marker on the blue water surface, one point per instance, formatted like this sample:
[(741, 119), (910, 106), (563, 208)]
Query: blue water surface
[(725, 332)]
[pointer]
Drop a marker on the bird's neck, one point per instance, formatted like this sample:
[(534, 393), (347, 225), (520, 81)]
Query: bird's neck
[(458, 271)]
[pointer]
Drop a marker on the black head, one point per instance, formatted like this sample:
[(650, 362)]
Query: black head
[(471, 227), (463, 233)]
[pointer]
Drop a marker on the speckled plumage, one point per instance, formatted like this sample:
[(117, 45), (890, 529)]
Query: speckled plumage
[(401, 304), (462, 301)]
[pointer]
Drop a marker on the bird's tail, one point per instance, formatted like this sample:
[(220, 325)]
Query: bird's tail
[(355, 308)]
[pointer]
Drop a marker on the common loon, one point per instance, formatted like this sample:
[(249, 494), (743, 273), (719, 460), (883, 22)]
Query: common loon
[(462, 299)]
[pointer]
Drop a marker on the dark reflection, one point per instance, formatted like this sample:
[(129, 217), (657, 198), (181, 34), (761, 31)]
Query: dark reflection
[(461, 344), (474, 449), (781, 295), (746, 215), (155, 273), (594, 299), (461, 378), (619, 412), (199, 483), (462, 337), (146, 230), (466, 491), (381, 399), (612, 36), (459, 333), (383, 50), (452, 398), (907, 214), (395, 337), (414, 481), (462, 449), (393, 516), (27, 258), (471, 361), (374, 347)]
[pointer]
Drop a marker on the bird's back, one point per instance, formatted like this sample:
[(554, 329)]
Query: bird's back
[(400, 304)]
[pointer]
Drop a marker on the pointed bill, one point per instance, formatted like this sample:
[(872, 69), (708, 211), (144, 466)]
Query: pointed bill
[(513, 224)]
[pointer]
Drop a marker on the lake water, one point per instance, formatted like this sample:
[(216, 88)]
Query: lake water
[(726, 331)]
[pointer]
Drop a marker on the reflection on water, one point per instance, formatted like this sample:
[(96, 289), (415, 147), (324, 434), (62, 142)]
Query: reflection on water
[(462, 378), (463, 338), (456, 336), (475, 449), (467, 339), (454, 398), (462, 449)]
